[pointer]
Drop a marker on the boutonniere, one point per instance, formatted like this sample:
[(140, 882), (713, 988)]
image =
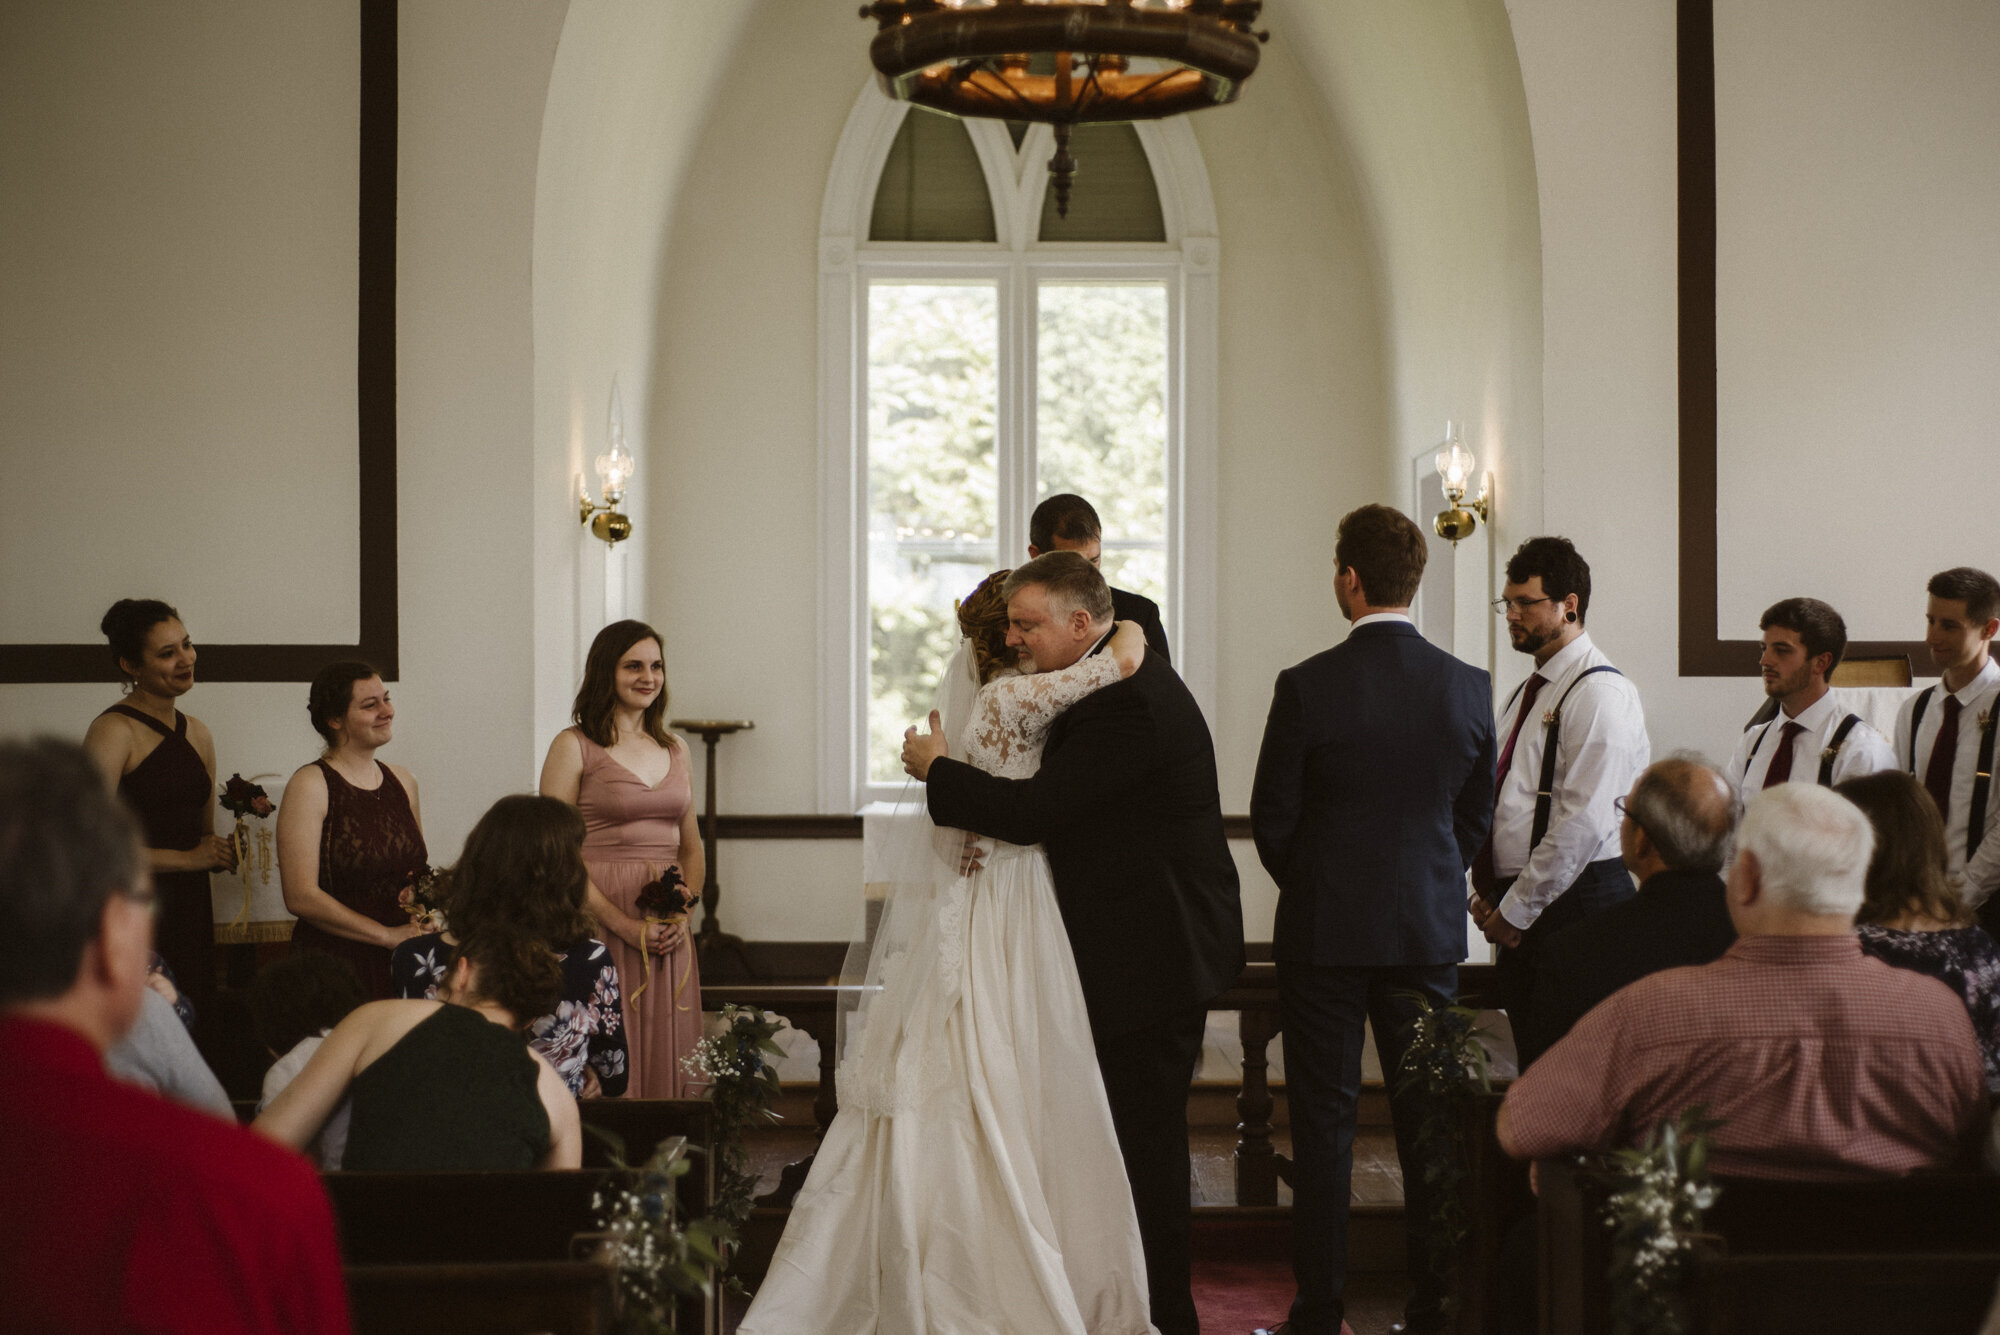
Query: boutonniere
[(1828, 754), (1549, 718)]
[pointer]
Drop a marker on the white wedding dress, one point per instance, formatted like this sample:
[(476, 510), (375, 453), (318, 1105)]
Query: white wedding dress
[(971, 1183)]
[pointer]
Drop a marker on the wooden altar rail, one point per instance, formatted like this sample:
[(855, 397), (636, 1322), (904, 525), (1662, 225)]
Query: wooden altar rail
[(814, 1010)]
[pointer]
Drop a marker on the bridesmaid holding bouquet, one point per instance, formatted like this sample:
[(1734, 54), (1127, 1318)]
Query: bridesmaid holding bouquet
[(350, 839), (163, 764), (630, 777)]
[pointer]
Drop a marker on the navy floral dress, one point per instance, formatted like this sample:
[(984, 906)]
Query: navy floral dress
[(587, 1029), (1965, 959)]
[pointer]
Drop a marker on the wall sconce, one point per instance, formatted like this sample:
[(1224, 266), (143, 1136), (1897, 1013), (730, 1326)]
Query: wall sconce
[(614, 470), (1455, 464)]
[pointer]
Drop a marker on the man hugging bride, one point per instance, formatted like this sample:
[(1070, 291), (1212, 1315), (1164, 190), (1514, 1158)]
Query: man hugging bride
[(1011, 1150)]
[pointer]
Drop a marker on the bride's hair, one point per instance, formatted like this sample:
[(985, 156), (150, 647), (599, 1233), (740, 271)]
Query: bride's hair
[(983, 618)]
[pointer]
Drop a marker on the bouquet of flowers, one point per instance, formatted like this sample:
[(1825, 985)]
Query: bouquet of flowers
[(666, 898), (423, 898), (244, 799)]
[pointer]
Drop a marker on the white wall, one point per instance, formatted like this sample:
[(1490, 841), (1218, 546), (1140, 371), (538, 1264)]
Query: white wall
[(473, 74), (1601, 97), (627, 96)]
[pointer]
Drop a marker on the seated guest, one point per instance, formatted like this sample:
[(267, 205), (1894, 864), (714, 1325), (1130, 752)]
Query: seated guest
[(1674, 837), (1812, 738), (159, 1054), (1913, 916), (1821, 1062), (522, 871), (123, 1211), (447, 1084), (294, 1004)]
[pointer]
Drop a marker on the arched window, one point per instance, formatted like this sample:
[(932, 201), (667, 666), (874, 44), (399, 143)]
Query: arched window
[(979, 353)]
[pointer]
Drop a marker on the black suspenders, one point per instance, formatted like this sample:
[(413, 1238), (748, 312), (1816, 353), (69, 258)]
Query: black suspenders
[(1546, 787), (1826, 757), (1982, 777)]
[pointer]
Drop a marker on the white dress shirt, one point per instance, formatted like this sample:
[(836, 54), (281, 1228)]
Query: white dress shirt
[(1374, 617), (1864, 752), (1601, 749), (1975, 699)]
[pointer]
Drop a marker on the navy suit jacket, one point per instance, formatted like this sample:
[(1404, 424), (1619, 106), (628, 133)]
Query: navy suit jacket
[(1127, 805), (1374, 791)]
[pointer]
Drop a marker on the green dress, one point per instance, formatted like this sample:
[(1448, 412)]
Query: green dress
[(456, 1092)]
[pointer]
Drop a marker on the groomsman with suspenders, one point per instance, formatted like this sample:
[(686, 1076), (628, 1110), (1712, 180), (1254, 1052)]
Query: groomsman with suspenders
[(1811, 739), (1575, 742), (1944, 734)]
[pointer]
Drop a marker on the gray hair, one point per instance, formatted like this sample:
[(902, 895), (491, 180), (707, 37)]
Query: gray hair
[(1812, 848), (1071, 581), (67, 845), (1687, 810)]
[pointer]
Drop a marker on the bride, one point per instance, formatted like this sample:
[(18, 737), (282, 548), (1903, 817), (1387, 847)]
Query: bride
[(971, 1181)]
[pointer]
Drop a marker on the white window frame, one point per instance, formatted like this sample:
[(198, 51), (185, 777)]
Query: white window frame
[(1186, 263)]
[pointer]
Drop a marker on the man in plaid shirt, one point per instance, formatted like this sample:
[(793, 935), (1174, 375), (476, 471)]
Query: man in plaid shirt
[(1821, 1063)]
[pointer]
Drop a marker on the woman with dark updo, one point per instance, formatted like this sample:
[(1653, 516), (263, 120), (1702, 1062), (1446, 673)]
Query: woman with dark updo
[(349, 837), (163, 764)]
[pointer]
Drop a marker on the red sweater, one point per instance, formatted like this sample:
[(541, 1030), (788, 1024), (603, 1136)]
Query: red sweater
[(121, 1211)]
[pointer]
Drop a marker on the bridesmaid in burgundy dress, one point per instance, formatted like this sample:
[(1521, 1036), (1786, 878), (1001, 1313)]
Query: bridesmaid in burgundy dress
[(630, 778), (163, 763), (349, 839)]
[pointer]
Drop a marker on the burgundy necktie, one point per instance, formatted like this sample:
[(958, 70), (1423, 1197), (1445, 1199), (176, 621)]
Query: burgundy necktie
[(1483, 879), (1781, 759), (1937, 775)]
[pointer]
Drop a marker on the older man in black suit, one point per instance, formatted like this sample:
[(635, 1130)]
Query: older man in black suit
[(1674, 835), (1373, 793), (1127, 805)]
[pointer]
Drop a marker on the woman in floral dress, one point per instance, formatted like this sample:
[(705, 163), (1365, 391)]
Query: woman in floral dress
[(522, 870)]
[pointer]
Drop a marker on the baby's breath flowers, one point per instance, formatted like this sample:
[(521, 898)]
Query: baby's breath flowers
[(1659, 1192), (736, 1066), (658, 1261)]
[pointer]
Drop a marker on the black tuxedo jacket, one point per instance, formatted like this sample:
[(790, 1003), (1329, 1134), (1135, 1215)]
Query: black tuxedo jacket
[(1677, 918), (1128, 807), (1374, 791), (1137, 607)]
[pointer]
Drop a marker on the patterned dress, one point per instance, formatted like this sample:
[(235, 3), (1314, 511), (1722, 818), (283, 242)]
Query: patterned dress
[(633, 833), (369, 848), (587, 1030), (1965, 959)]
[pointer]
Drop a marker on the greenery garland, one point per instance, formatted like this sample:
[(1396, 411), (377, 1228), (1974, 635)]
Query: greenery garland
[(1444, 1059), (1656, 1196), (659, 1261)]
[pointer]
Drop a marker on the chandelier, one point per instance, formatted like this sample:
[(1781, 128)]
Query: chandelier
[(1064, 62)]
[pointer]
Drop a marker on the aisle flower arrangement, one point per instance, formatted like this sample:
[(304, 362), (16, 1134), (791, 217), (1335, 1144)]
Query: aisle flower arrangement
[(1444, 1059), (658, 1261), (1658, 1193), (737, 1066)]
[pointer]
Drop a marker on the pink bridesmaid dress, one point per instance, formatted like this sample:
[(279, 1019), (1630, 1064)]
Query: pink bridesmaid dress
[(633, 833)]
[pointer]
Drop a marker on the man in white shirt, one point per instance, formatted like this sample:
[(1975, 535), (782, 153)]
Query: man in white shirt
[(1553, 857), (1813, 738), (1962, 616)]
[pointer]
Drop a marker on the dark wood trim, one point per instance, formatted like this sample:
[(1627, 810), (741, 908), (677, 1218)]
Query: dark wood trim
[(1703, 652), (375, 403), (849, 827)]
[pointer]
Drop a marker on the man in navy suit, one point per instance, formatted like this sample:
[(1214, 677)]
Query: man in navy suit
[(1374, 791)]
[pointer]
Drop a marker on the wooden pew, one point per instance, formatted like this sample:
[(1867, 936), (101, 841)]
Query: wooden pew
[(437, 1221), (1495, 1193), (505, 1298), (1859, 1242), (1923, 1293)]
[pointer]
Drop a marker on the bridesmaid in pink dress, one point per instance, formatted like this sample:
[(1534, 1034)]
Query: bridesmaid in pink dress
[(629, 776)]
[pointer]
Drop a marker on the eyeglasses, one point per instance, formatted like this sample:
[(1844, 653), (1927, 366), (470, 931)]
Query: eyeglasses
[(1501, 605), (1619, 805)]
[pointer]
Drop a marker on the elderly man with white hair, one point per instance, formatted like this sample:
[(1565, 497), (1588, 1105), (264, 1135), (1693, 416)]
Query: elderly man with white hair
[(1821, 1062)]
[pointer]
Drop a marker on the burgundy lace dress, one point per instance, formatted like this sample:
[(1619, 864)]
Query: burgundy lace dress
[(369, 849), (169, 790)]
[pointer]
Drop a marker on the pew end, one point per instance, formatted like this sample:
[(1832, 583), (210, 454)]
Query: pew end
[(490, 1298)]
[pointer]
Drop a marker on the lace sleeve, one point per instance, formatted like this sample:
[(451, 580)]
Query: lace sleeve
[(1015, 712)]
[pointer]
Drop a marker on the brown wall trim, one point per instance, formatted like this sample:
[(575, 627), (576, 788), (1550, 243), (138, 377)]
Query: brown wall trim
[(375, 402), (849, 827), (1703, 653)]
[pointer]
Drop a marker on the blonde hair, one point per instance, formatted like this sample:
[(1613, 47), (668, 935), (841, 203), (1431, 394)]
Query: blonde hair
[(983, 619)]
